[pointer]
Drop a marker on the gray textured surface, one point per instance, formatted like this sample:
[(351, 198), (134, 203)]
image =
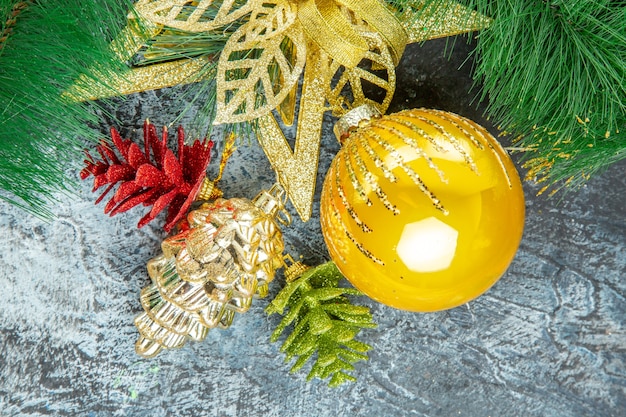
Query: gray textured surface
[(548, 339)]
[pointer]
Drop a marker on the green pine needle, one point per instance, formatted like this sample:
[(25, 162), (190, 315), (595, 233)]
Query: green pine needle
[(48, 45), (174, 44), (555, 75), (324, 322)]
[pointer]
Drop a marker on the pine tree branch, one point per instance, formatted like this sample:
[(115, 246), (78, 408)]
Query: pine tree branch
[(555, 76), (46, 46)]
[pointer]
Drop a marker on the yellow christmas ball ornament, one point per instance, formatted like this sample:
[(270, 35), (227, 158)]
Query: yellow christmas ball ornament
[(422, 210)]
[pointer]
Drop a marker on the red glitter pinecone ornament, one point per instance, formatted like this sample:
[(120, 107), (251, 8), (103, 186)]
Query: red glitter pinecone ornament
[(153, 176)]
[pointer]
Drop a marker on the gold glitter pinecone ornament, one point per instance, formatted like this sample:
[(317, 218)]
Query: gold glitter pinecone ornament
[(225, 253)]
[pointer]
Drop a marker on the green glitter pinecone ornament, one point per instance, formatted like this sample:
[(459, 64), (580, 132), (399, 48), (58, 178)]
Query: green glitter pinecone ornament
[(324, 322), (226, 252)]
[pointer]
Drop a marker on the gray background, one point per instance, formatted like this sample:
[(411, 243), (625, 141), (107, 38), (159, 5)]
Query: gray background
[(548, 339)]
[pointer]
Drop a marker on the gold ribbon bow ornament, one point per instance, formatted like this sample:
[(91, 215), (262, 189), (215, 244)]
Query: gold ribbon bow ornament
[(260, 66), (263, 60)]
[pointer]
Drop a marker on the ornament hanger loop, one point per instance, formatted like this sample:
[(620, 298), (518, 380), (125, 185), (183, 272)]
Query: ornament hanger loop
[(280, 193), (272, 202), (283, 217)]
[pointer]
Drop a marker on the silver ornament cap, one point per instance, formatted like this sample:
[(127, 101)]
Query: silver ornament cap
[(355, 118)]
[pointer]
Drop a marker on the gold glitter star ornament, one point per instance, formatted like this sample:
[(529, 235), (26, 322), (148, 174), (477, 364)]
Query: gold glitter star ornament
[(334, 46), (263, 60)]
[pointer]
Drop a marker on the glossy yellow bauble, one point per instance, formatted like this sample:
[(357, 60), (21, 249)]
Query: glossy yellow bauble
[(422, 210)]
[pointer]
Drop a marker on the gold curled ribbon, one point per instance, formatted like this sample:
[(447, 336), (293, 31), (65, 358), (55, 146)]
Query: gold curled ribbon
[(329, 27), (377, 15), (280, 33)]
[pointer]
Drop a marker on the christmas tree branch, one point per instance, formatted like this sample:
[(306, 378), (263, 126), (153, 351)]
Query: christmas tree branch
[(555, 76), (45, 47)]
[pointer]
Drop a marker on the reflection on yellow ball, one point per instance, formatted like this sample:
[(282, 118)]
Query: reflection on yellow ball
[(422, 210)]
